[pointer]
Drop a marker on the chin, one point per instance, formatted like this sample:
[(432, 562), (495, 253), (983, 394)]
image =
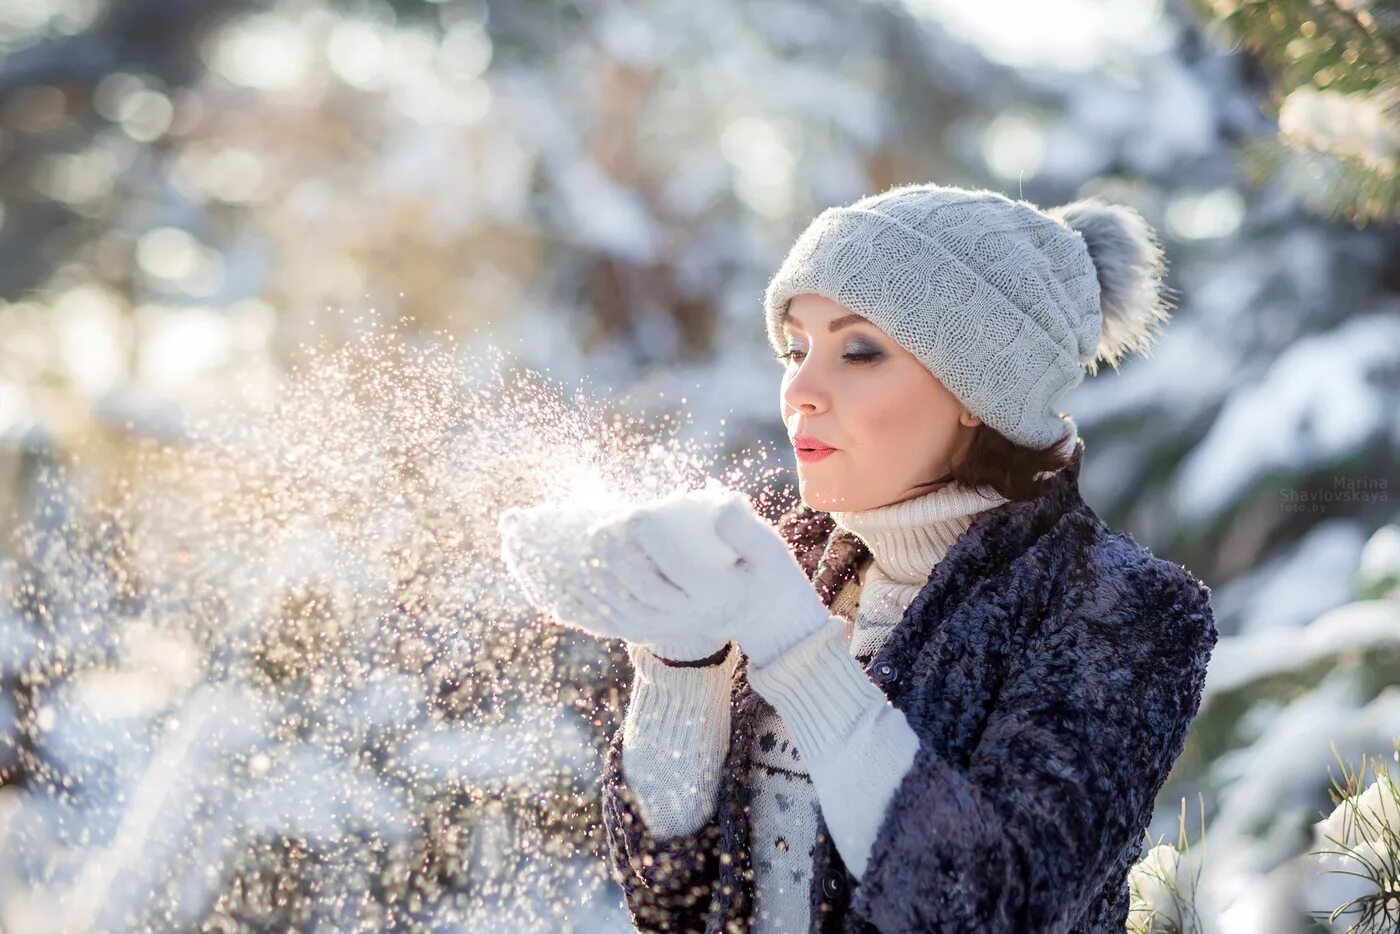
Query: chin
[(826, 501)]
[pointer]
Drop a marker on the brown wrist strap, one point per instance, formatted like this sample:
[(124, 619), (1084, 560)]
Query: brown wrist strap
[(714, 659)]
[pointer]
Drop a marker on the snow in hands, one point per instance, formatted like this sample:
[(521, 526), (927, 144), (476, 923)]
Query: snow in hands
[(276, 673), (682, 575)]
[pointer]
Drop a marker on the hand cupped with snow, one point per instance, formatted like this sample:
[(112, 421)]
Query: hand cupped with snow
[(540, 544), (585, 567), (683, 574), (716, 568)]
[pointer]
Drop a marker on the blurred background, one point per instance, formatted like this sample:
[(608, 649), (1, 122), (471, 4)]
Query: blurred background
[(201, 200)]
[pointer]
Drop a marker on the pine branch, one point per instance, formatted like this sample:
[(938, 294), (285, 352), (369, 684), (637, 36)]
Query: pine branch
[(1339, 186), (1312, 42), (1330, 47)]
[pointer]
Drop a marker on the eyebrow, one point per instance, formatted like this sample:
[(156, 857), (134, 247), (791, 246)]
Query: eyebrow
[(832, 326)]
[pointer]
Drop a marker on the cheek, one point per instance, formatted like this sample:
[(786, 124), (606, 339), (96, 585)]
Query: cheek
[(887, 423), (903, 417), (881, 413)]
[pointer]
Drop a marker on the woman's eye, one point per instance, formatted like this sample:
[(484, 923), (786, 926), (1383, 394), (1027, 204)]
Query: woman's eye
[(854, 356)]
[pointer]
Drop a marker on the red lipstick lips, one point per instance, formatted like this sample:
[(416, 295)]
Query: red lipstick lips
[(810, 449)]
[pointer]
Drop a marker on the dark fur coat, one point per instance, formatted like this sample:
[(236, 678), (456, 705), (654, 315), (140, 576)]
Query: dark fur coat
[(1051, 669)]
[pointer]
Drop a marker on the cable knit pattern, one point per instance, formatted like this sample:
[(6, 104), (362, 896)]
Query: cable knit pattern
[(1026, 804), (997, 298), (677, 726), (854, 746), (1006, 303), (908, 538)]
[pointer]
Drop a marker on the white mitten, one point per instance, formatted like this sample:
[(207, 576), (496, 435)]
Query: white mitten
[(683, 575), (763, 600), (557, 553)]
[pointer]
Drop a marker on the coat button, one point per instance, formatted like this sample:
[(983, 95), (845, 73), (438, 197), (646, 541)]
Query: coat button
[(885, 673), (832, 883)]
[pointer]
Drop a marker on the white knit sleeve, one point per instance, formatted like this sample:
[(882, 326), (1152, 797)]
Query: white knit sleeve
[(856, 745), (674, 740)]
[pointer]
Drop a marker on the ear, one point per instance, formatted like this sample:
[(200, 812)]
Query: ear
[(968, 419)]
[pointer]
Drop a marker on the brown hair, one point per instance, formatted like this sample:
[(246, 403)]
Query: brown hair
[(993, 460)]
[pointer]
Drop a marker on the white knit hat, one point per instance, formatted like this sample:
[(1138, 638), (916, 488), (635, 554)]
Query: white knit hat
[(1005, 303)]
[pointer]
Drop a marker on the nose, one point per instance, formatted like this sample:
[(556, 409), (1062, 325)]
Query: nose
[(804, 391)]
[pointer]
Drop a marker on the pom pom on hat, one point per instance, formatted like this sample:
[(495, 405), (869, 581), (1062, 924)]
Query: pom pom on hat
[(1008, 305), (1129, 261)]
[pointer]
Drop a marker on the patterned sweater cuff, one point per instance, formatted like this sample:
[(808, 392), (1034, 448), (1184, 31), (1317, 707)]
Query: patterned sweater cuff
[(857, 746), (819, 690), (675, 737)]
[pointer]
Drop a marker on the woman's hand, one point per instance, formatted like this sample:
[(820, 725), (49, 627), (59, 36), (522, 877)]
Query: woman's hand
[(684, 576), (559, 556), (784, 608)]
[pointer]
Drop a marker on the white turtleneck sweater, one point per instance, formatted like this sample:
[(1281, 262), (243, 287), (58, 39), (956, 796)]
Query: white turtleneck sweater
[(855, 746)]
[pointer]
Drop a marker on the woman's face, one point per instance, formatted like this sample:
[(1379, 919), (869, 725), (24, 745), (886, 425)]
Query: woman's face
[(894, 426)]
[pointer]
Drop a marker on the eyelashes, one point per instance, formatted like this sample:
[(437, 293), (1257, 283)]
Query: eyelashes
[(854, 356)]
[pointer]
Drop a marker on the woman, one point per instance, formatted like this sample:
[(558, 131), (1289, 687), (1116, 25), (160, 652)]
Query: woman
[(941, 695)]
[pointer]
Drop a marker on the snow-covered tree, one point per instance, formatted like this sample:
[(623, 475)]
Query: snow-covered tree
[(1334, 75), (195, 194)]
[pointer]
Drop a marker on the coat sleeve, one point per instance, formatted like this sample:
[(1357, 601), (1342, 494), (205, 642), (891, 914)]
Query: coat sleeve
[(1065, 775)]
